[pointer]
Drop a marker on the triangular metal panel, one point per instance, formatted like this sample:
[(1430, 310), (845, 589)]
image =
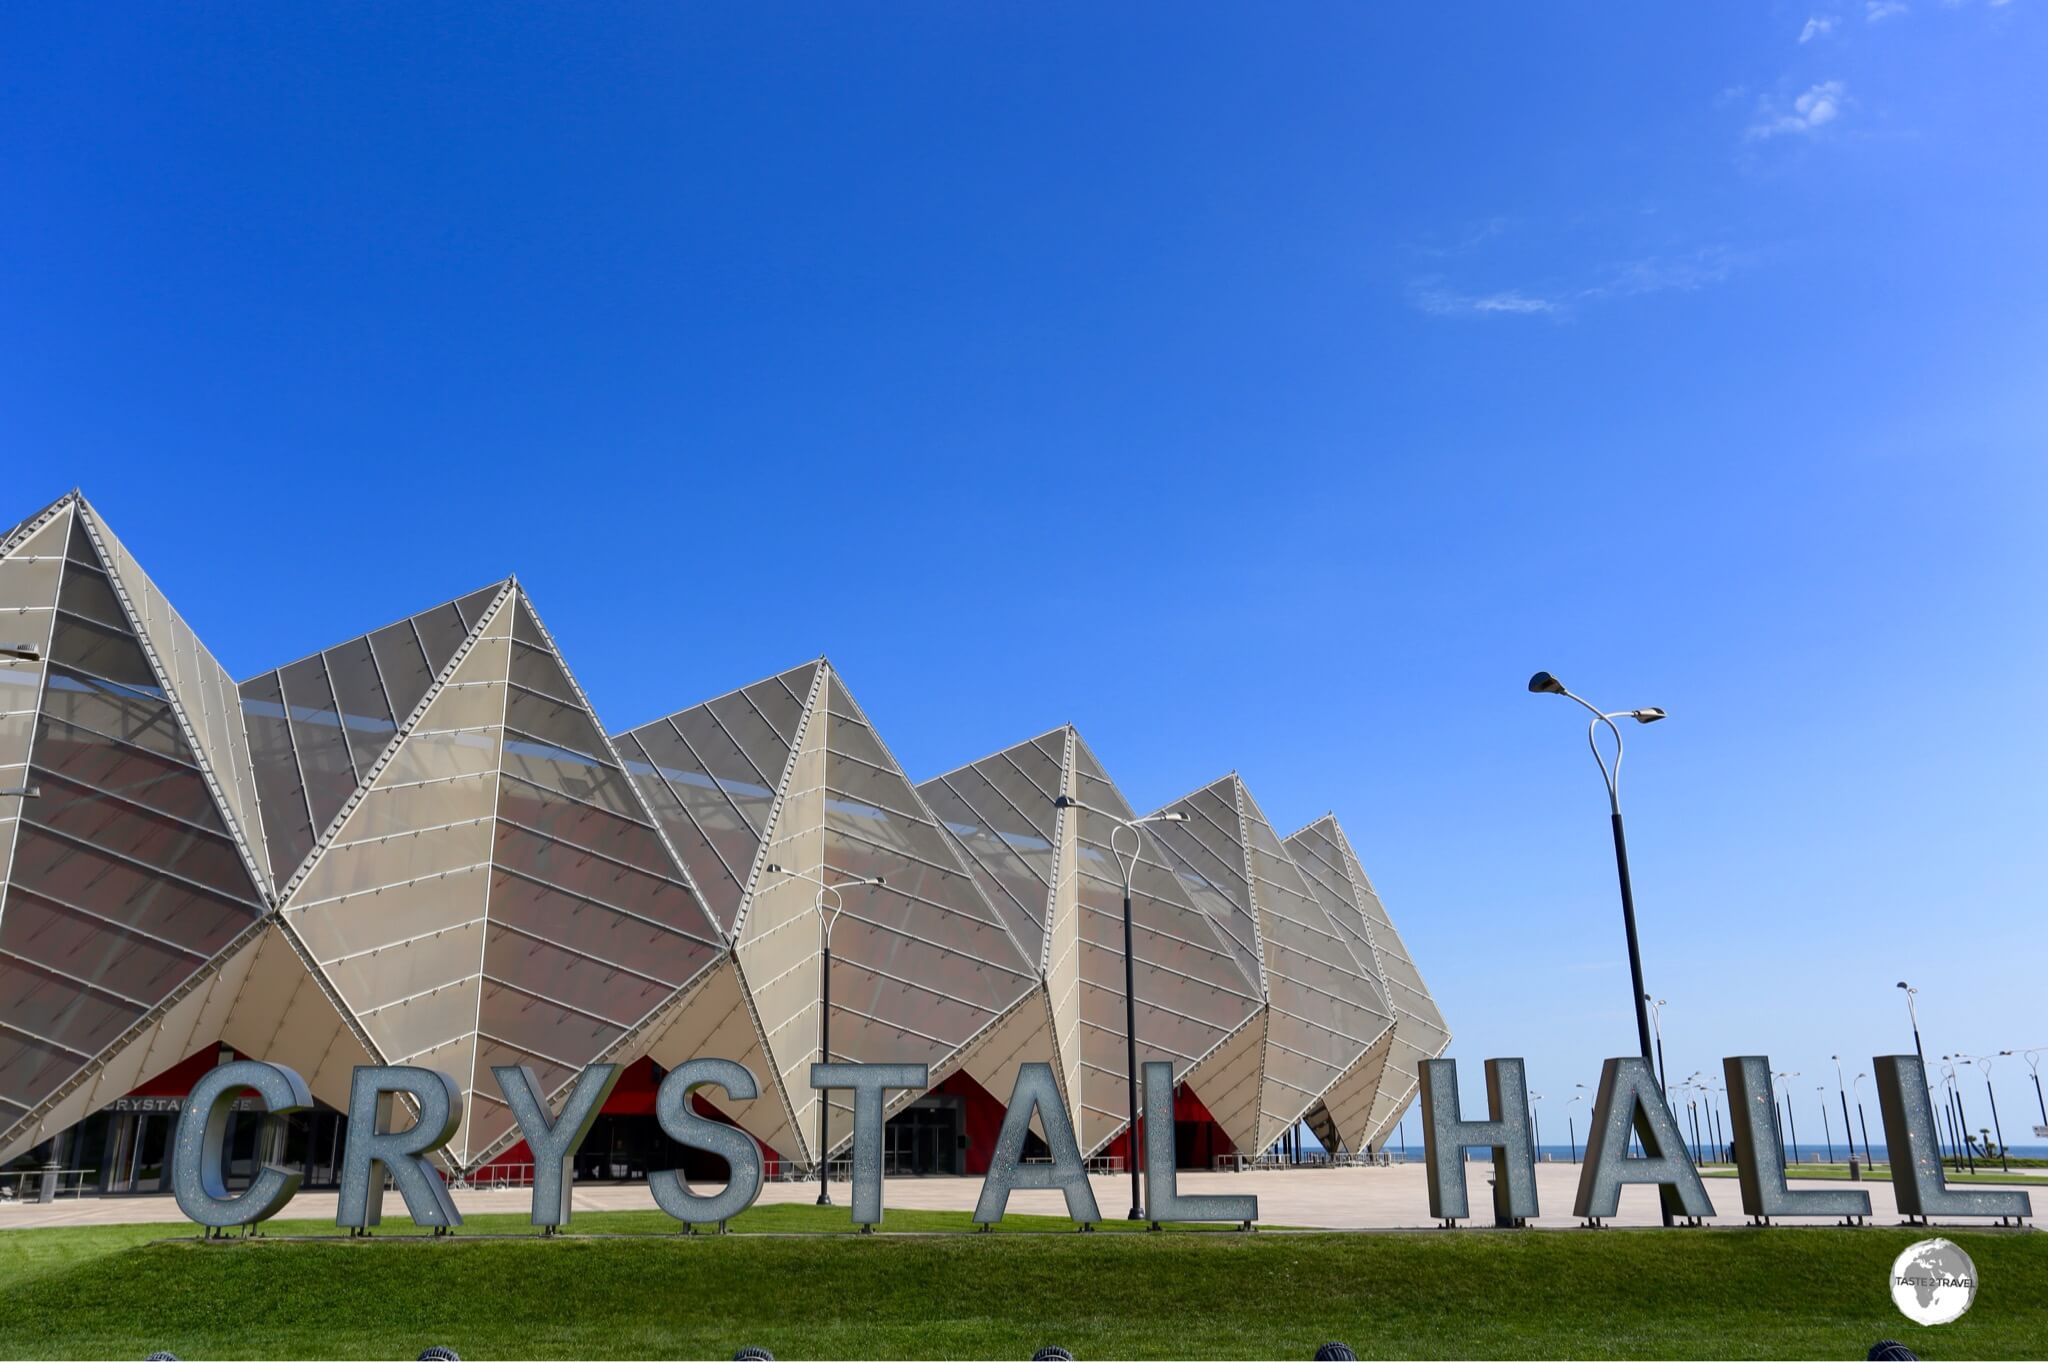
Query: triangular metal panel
[(126, 878), (201, 688), (1056, 872), (318, 727), (1326, 1009), (497, 892), (717, 1020), (1326, 856), (922, 964)]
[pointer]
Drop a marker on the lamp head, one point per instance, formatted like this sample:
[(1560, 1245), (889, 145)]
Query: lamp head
[(1064, 803), (1903, 984), (1543, 683), (774, 869), (1647, 716)]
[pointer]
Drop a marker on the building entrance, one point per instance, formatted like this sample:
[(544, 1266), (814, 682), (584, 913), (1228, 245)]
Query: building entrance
[(926, 1137)]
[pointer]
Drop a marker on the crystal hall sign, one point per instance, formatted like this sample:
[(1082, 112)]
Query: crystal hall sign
[(375, 1150), (1629, 1102)]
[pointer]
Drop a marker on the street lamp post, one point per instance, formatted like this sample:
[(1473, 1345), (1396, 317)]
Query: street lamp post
[(1536, 1124), (1571, 1129), (1129, 868), (2033, 1058), (1827, 1127), (1864, 1125), (1848, 1134), (1657, 1025), (1913, 1015), (1965, 1144), (1984, 1062), (1791, 1118), (826, 922), (1543, 683)]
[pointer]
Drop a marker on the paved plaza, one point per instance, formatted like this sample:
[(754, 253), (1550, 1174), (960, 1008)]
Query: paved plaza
[(1394, 1197)]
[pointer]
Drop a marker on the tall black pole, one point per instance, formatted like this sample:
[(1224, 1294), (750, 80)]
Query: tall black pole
[(1963, 1124), (1571, 1131), (1848, 1131), (1131, 1049), (824, 1057), (1663, 1078), (1997, 1129), (1827, 1127), (1868, 1157), (1635, 959), (1793, 1116), (2040, 1100)]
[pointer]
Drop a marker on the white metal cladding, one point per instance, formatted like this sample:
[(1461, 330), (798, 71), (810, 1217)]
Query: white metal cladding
[(789, 772), (1325, 1010), (421, 846), (1057, 873), (1326, 857)]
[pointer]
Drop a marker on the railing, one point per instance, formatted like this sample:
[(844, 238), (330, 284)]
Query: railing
[(1278, 1163), (1100, 1164), (26, 1184), (493, 1176)]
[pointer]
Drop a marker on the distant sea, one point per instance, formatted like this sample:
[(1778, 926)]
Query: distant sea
[(1807, 1153)]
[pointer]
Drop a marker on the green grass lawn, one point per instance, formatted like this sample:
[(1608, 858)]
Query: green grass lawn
[(624, 1285)]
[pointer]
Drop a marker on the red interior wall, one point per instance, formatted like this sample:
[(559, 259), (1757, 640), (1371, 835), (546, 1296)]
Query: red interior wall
[(981, 1119)]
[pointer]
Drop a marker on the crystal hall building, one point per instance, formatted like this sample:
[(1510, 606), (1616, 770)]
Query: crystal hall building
[(420, 846)]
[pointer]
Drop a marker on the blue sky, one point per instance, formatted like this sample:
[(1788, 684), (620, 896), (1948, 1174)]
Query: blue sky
[(1263, 390)]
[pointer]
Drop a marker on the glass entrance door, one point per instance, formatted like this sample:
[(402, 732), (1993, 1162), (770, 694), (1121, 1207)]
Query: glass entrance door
[(923, 1138)]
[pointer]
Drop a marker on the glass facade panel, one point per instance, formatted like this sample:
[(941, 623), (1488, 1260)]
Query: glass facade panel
[(538, 670), (568, 772), (137, 774), (715, 882), (767, 751), (541, 910), (585, 825), (708, 805), (420, 965), (750, 790), (555, 723), (779, 705), (391, 809), (658, 899), (324, 762), (29, 1068), (95, 649), (89, 595), (55, 1009), (366, 718), (403, 667), (125, 891), (474, 606), (191, 852), (441, 632), (547, 970), (287, 823), (73, 942)]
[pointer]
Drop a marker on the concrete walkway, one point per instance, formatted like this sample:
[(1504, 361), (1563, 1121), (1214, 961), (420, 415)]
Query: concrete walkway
[(1326, 1198)]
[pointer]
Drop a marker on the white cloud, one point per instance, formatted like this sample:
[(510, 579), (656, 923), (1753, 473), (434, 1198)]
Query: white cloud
[(1636, 278), (1816, 27), (1441, 302), (1811, 111), (1875, 11)]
